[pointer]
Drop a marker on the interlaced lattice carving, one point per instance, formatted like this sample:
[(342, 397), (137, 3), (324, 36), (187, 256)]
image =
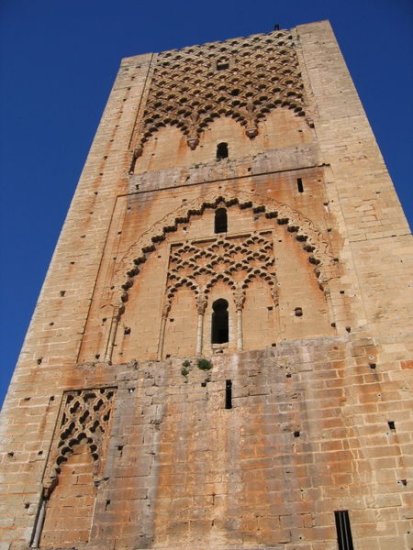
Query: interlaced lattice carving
[(85, 417), (234, 260), (243, 78), (313, 242)]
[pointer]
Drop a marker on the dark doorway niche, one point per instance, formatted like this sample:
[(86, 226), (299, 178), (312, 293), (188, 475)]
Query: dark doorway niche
[(221, 220), (219, 322), (222, 150)]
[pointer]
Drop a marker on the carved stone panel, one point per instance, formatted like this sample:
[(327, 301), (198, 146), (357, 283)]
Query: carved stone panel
[(240, 78), (236, 260), (84, 420)]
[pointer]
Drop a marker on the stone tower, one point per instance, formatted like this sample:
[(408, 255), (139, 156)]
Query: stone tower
[(222, 353)]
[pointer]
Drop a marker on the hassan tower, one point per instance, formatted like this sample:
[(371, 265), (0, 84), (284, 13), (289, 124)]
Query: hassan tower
[(221, 357)]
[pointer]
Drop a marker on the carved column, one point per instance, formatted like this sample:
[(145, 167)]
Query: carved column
[(112, 334), (165, 314), (239, 296), (201, 303), (39, 523)]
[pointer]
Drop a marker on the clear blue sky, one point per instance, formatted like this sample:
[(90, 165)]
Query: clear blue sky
[(59, 59)]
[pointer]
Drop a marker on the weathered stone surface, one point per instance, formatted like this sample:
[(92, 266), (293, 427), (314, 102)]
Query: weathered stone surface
[(113, 437)]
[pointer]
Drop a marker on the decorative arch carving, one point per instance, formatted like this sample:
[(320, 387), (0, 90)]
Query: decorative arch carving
[(84, 418), (192, 87), (313, 243)]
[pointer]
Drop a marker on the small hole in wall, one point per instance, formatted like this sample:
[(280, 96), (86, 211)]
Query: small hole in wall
[(40, 453), (26, 505), (97, 356), (403, 482), (10, 453), (168, 355), (120, 447), (269, 308), (298, 312), (288, 375), (62, 293), (372, 365), (300, 186), (126, 331), (296, 433), (273, 345), (107, 504), (51, 398), (348, 329), (341, 291), (51, 324), (39, 361), (222, 65), (171, 320), (333, 325), (203, 384), (391, 424)]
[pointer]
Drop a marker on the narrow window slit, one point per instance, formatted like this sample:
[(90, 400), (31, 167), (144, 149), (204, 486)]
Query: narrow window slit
[(300, 185), (228, 394), (344, 538), (392, 424)]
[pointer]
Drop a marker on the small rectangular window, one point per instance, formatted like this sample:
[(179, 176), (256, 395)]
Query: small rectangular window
[(344, 538), (300, 185), (228, 394), (222, 65)]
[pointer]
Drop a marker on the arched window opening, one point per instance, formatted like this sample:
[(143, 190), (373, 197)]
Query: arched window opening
[(222, 150), (220, 330), (221, 220)]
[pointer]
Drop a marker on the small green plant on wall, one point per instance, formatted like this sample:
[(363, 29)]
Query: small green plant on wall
[(185, 367), (204, 364)]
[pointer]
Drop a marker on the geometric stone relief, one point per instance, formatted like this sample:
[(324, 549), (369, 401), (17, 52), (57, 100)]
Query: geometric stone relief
[(236, 261), (243, 79), (311, 239), (84, 418)]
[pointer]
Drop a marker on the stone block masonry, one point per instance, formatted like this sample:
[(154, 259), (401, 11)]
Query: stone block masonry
[(221, 354)]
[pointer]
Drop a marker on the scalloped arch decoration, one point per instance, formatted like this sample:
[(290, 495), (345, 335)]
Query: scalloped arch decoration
[(192, 87), (313, 243)]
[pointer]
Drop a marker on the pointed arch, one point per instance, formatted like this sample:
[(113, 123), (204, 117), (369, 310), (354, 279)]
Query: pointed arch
[(311, 239)]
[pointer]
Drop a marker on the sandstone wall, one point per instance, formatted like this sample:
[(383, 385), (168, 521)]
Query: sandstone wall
[(112, 436)]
